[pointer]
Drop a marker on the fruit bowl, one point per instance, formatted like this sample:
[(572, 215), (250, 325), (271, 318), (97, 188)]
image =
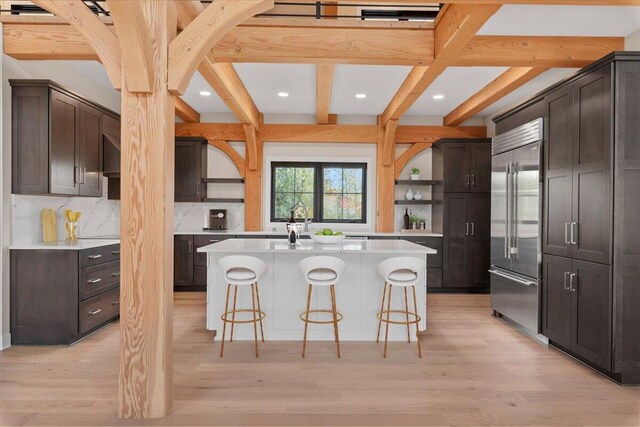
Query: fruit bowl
[(327, 240)]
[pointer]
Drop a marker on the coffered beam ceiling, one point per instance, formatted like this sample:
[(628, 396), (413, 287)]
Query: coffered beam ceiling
[(223, 78), (507, 82), (455, 27)]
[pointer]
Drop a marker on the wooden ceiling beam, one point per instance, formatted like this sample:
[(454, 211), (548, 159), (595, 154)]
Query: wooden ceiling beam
[(535, 51), (222, 77), (366, 134), (454, 30), (135, 45), (389, 143), (324, 83), (197, 39), (103, 41), (552, 2), (506, 83), (251, 139), (186, 111), (405, 157)]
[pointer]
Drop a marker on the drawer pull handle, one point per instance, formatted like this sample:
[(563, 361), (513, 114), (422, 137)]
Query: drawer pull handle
[(214, 241), (115, 274), (115, 252), (96, 256), (94, 312), (421, 243), (94, 281), (115, 302)]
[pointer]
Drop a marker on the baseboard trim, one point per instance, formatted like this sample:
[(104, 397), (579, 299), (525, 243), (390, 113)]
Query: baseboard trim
[(5, 341)]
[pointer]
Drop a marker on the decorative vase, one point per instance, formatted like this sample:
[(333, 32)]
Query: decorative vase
[(417, 196), (415, 177), (409, 195)]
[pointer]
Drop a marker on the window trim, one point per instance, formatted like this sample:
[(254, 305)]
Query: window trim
[(318, 189)]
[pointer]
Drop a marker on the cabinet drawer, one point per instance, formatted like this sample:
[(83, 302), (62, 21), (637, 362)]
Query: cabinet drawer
[(430, 242), (204, 240), (434, 277), (199, 275), (99, 309), (97, 279), (95, 256)]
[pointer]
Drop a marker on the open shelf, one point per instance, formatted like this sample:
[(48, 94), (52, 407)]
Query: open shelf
[(222, 200), (223, 180), (416, 202), (417, 182)]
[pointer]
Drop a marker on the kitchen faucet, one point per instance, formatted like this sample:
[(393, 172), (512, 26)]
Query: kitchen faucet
[(307, 220)]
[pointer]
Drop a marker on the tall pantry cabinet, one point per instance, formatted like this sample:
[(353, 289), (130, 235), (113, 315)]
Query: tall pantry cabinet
[(591, 224)]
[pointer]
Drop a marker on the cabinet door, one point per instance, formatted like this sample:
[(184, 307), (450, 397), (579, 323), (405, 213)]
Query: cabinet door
[(556, 300), (456, 234), (558, 171), (189, 171), (480, 168), (90, 151), (479, 240), (457, 175), (63, 160), (591, 323), (110, 145), (183, 260), (592, 182)]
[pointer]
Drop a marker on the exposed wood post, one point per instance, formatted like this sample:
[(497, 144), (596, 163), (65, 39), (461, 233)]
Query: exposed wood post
[(324, 83), (253, 188), (389, 143), (251, 139), (385, 186), (146, 230)]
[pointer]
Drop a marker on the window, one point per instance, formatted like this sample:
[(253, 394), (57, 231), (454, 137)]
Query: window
[(331, 192)]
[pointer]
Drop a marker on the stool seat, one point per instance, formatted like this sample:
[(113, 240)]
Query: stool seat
[(403, 275), (323, 275), (240, 273)]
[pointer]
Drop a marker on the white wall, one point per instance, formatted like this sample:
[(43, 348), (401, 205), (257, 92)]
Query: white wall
[(632, 41)]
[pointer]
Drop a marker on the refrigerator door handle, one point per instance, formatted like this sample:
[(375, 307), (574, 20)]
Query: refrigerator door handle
[(514, 210), (507, 213), (512, 278)]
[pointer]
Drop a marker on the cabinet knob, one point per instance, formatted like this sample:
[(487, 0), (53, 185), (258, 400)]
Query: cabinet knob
[(115, 274), (115, 302), (115, 252)]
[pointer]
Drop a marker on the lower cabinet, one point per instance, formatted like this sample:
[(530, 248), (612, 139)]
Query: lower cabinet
[(576, 308), (434, 262), (59, 296), (189, 266)]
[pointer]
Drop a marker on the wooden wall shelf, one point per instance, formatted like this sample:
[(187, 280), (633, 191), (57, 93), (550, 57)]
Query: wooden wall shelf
[(223, 180), (222, 200), (417, 182), (416, 202)]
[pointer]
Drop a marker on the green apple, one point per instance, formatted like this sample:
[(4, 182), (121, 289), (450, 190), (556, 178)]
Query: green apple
[(327, 232), (339, 233)]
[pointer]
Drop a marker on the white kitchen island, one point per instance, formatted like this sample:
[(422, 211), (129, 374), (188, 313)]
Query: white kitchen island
[(283, 290)]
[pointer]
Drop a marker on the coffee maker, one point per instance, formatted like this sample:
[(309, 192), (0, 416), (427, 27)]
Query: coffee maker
[(217, 219)]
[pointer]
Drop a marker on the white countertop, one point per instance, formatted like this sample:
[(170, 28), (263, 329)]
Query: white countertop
[(284, 233), (77, 245), (346, 246)]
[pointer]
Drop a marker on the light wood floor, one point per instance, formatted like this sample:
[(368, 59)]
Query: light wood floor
[(476, 370)]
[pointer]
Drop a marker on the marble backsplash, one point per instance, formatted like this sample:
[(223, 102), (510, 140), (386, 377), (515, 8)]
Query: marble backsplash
[(101, 217)]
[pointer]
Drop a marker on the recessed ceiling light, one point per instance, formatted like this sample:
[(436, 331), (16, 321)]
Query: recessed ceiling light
[(205, 93), (361, 95), (438, 97), (283, 94)]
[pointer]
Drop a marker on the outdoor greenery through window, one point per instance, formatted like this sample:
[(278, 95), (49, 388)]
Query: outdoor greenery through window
[(330, 192)]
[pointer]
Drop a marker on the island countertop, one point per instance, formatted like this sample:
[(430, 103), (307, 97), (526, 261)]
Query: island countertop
[(308, 246)]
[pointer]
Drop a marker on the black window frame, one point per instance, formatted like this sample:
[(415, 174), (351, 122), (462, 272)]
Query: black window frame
[(318, 189)]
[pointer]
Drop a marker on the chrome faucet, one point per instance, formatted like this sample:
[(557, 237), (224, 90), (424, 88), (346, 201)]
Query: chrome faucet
[(307, 220)]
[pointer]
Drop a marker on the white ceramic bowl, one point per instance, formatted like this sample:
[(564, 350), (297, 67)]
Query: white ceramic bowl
[(327, 240)]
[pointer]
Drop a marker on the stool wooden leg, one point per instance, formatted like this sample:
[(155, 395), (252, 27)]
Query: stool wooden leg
[(384, 293), (335, 317), (260, 310), (233, 315), (224, 323), (255, 320), (415, 307), (306, 324), (386, 330), (406, 311)]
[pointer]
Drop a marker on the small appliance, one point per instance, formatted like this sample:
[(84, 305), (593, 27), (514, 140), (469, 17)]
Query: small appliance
[(217, 219)]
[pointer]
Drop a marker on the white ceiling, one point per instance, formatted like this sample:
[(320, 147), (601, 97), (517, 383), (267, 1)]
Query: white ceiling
[(380, 83)]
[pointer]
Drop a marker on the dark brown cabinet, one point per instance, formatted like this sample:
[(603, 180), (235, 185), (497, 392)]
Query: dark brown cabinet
[(462, 211), (60, 296), (591, 230), (183, 260), (190, 267), (191, 168), (434, 262), (57, 140), (576, 310)]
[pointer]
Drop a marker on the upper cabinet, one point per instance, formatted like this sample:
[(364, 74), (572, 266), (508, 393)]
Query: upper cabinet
[(466, 166), (57, 140), (191, 168)]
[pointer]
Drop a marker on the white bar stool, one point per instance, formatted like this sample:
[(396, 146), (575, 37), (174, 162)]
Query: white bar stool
[(322, 271), (241, 270), (402, 272)]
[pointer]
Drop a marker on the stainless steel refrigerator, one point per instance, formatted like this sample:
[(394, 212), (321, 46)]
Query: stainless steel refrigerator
[(516, 197)]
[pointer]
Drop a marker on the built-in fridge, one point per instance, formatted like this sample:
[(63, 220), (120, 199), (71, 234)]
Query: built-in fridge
[(516, 254)]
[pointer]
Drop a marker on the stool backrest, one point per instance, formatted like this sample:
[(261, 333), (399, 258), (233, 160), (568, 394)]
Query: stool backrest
[(390, 265), (258, 266), (332, 263)]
